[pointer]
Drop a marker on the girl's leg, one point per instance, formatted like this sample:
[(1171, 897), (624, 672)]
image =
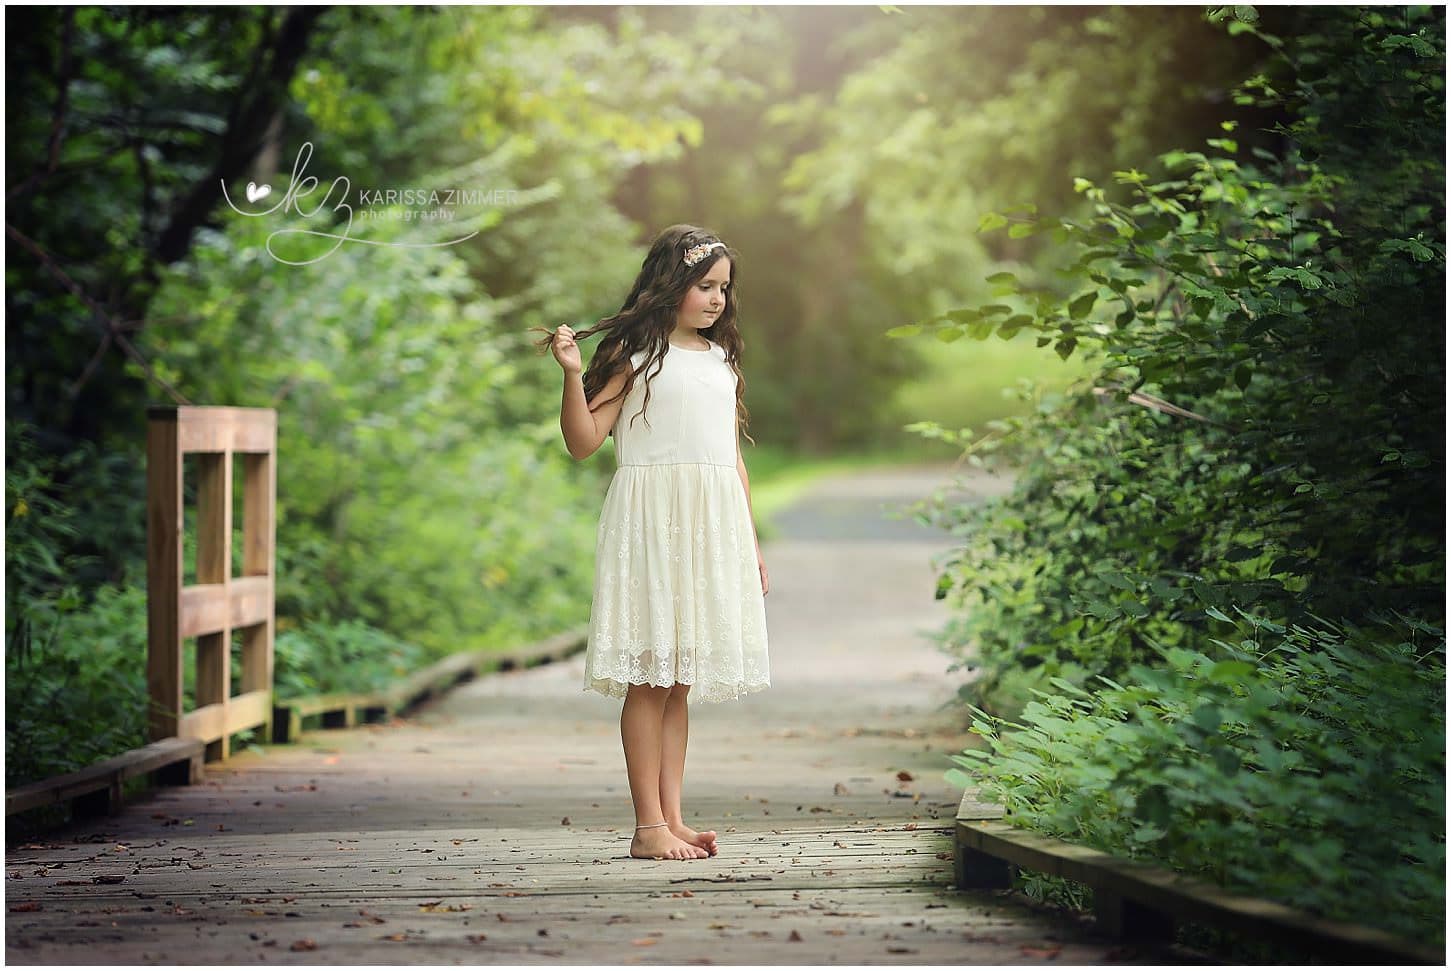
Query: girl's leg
[(676, 732), (641, 729)]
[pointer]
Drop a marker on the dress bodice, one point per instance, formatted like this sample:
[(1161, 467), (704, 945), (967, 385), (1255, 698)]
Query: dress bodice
[(691, 416)]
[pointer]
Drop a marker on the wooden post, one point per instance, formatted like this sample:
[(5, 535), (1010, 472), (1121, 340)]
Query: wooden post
[(214, 568), (163, 572), (218, 603)]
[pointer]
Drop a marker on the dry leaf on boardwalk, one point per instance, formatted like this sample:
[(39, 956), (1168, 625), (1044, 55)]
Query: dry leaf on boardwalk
[(1040, 952)]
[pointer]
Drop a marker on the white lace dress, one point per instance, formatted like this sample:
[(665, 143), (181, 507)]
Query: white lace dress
[(677, 593)]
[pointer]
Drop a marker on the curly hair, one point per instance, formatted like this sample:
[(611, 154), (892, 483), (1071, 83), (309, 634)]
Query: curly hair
[(647, 317)]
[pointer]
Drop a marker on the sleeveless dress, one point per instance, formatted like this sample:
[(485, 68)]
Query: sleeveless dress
[(677, 592)]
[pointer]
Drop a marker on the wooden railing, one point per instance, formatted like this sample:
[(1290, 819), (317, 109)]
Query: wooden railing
[(218, 604)]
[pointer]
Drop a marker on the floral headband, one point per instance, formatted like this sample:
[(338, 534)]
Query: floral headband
[(697, 253)]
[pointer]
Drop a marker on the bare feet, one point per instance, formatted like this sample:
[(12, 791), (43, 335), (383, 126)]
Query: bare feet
[(705, 840), (659, 843)]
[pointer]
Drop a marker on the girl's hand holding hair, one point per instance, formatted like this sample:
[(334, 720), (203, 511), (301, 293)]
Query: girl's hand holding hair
[(566, 351)]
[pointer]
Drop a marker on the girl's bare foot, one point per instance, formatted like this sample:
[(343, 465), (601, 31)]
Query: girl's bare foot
[(705, 840), (658, 843)]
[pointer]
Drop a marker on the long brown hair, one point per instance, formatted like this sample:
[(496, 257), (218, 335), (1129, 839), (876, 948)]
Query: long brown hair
[(647, 317)]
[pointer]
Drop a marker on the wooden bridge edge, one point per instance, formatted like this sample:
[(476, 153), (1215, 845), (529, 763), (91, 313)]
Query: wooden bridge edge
[(1139, 900), (98, 789)]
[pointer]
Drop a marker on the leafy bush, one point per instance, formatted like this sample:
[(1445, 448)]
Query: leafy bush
[(1263, 426), (1265, 418), (80, 695), (1311, 771), (345, 657)]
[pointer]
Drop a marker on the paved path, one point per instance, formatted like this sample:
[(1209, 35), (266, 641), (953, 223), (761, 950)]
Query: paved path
[(493, 827)]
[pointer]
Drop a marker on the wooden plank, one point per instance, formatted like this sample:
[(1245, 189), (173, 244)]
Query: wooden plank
[(249, 710), (103, 774)]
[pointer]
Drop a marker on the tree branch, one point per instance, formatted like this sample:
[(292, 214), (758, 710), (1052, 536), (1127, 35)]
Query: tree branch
[(110, 327), (245, 129)]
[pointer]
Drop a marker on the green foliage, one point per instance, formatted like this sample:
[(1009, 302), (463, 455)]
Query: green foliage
[(79, 695), (1304, 765), (1262, 425), (1265, 419), (350, 657)]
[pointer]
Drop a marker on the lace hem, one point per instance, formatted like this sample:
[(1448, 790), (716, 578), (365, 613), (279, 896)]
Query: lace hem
[(705, 692)]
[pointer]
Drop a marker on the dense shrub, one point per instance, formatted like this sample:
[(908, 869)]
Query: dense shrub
[(1306, 765), (1263, 434)]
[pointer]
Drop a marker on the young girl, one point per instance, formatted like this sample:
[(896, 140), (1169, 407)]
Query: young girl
[(679, 592)]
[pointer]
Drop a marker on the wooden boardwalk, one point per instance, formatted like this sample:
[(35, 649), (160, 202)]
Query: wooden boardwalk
[(494, 826)]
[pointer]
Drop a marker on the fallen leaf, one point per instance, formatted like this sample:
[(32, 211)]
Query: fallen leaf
[(476, 938), (904, 776), (306, 944), (28, 907), (643, 941), (564, 821), (1040, 952), (795, 936)]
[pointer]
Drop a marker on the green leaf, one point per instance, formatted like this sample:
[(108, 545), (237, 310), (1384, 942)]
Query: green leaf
[(991, 221), (1119, 580), (1080, 306), (905, 330), (1207, 717), (1231, 672)]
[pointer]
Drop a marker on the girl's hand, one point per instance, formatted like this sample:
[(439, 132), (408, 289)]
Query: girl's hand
[(566, 351), (765, 577)]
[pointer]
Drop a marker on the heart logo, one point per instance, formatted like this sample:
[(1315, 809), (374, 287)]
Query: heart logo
[(255, 192)]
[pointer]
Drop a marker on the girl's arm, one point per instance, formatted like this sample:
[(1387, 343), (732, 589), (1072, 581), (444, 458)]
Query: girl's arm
[(585, 431), (746, 484)]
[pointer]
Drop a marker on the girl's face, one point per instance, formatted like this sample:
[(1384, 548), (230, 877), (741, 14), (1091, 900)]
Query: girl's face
[(705, 301)]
